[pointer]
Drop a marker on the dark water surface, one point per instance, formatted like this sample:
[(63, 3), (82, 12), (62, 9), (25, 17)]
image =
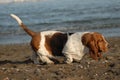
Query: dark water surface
[(64, 15)]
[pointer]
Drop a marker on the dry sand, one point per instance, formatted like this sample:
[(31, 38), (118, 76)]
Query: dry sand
[(15, 64)]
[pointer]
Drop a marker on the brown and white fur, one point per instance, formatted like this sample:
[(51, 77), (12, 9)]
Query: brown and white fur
[(80, 43), (46, 44)]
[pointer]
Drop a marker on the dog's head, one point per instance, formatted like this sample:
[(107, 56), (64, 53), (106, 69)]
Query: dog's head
[(96, 43)]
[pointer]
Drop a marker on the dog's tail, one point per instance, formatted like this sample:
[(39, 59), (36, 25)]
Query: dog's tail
[(30, 32)]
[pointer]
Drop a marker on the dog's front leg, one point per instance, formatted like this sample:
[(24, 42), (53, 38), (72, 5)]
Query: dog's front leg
[(69, 59)]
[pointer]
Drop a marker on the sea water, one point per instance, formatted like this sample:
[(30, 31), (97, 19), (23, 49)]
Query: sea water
[(64, 15)]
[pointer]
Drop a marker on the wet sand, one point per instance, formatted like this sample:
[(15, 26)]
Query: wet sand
[(15, 64)]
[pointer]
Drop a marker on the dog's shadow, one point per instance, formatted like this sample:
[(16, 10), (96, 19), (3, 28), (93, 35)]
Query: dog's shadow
[(16, 62), (28, 61)]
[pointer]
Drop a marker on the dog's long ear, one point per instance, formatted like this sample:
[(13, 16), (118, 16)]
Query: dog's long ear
[(102, 43), (90, 41), (96, 37)]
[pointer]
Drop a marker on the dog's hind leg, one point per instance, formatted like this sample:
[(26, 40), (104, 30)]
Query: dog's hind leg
[(35, 58)]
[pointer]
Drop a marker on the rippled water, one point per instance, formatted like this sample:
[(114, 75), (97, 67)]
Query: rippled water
[(65, 15)]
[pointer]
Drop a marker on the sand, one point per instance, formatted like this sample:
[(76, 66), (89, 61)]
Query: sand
[(15, 64)]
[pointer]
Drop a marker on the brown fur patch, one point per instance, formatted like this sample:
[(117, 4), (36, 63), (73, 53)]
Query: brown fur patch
[(56, 43), (28, 31), (35, 42), (47, 44)]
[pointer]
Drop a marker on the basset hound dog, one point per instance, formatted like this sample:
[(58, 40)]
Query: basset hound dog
[(80, 43), (45, 44), (73, 46)]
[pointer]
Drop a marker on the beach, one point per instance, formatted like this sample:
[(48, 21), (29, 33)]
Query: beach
[(101, 16), (15, 64)]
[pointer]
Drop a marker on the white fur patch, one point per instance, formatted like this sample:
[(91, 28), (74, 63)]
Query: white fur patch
[(74, 49)]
